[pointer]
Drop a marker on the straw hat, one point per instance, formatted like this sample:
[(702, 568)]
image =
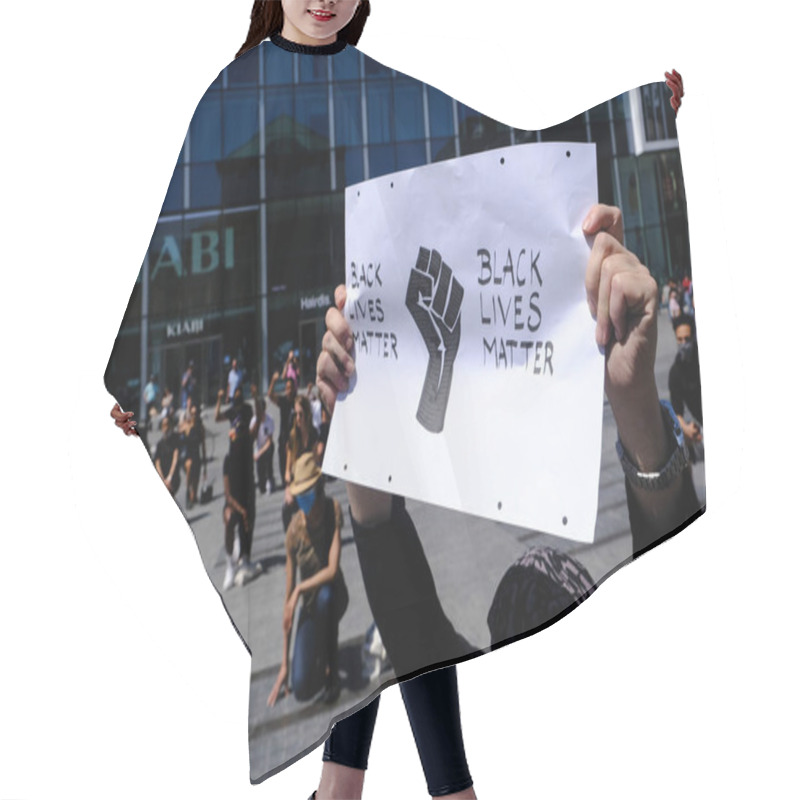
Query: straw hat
[(306, 474)]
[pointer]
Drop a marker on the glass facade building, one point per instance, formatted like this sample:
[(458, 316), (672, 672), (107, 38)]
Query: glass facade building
[(271, 146)]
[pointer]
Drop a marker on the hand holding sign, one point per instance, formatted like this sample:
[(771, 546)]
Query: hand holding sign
[(434, 298)]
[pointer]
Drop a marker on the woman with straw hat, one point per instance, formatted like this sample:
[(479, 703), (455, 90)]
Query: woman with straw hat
[(313, 545)]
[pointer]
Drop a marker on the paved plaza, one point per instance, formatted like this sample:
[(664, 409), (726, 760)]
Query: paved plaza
[(451, 543)]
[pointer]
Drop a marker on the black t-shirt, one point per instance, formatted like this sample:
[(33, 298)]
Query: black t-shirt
[(240, 417), (238, 466), (286, 407), (684, 384), (164, 450)]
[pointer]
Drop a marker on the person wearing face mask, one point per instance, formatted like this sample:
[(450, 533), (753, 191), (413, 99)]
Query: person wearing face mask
[(239, 483), (684, 381), (313, 545)]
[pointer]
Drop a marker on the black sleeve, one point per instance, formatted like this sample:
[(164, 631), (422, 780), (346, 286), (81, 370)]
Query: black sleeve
[(676, 393), (687, 508)]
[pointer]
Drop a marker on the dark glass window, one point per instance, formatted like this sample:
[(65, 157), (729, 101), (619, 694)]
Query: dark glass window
[(573, 130), (278, 104), (442, 149), (206, 136), (205, 188), (174, 198), (440, 113), (240, 123), (410, 154), (621, 111), (372, 69), (311, 109), (381, 159), (347, 113), (278, 66), (301, 237), (202, 264), (630, 202), (478, 132), (243, 71), (408, 111), (524, 136), (240, 183), (379, 111), (349, 166), (345, 65), (313, 68), (649, 188)]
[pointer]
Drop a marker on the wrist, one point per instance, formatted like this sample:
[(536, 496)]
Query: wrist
[(640, 428)]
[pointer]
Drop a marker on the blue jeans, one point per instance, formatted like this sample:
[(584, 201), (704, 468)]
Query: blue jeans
[(316, 643)]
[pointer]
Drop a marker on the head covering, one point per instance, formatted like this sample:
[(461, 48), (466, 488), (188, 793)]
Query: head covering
[(306, 474)]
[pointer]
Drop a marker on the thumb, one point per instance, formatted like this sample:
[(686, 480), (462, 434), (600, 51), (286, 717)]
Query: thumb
[(340, 295)]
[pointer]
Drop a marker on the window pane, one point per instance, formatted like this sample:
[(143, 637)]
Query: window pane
[(313, 68), (573, 130), (205, 186), (442, 149), (410, 154), (408, 111), (311, 111), (239, 181), (206, 138), (278, 66), (373, 69), (440, 113), (345, 65), (174, 199), (381, 159), (244, 70), (240, 109), (349, 166), (347, 113), (379, 111)]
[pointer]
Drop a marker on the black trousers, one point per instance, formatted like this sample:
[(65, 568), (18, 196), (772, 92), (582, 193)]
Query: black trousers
[(431, 702)]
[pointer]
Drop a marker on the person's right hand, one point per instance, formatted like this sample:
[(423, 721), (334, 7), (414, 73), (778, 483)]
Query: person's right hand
[(691, 431), (335, 365), (281, 683), (220, 394), (124, 420)]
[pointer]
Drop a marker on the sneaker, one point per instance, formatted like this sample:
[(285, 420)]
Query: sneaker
[(246, 572), (230, 575), (331, 693)]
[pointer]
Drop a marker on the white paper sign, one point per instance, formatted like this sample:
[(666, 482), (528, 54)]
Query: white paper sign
[(478, 384)]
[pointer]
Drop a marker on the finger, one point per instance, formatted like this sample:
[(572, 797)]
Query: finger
[(333, 371), (340, 296), (604, 245), (338, 326), (339, 355), (633, 295), (327, 393), (604, 218), (679, 77)]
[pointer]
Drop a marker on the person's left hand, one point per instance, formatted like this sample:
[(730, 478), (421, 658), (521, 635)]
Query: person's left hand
[(288, 612), (124, 420), (623, 298)]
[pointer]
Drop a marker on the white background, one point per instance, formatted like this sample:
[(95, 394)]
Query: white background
[(121, 674)]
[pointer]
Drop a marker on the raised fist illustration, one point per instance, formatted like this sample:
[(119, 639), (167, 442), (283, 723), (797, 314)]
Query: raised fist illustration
[(434, 298)]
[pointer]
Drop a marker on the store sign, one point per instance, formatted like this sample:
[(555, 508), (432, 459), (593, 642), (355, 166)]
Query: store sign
[(206, 254), (187, 327), (316, 302)]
